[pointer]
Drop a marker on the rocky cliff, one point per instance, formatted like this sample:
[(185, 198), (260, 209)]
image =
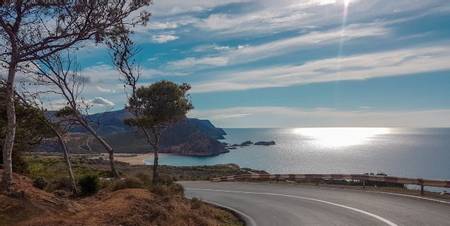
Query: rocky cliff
[(190, 136)]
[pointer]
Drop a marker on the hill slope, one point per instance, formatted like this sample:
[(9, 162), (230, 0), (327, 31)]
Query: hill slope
[(121, 207), (187, 137)]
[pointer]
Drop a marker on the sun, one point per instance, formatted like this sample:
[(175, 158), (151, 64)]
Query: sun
[(346, 3)]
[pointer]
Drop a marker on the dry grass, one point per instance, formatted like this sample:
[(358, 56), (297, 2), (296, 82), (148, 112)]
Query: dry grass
[(162, 205)]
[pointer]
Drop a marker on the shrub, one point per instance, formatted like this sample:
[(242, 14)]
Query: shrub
[(145, 178), (129, 182), (40, 183), (63, 183), (165, 179), (89, 184)]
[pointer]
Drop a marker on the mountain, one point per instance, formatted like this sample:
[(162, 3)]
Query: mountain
[(189, 136)]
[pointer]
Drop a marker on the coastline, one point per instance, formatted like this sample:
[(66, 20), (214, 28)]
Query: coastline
[(132, 159)]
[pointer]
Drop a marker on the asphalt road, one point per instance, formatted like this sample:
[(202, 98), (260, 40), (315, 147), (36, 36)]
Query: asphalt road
[(286, 204)]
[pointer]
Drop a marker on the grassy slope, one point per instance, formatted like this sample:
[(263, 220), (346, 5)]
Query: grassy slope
[(130, 202)]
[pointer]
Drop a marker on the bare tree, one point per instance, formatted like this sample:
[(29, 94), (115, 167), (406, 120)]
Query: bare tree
[(58, 130), (62, 73), (33, 30)]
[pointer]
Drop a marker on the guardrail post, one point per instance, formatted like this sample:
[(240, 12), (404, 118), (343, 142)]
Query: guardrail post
[(421, 187)]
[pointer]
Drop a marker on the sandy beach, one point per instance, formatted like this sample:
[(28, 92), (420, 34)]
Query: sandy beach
[(132, 159)]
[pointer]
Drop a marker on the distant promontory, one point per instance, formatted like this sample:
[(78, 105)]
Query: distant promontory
[(190, 136)]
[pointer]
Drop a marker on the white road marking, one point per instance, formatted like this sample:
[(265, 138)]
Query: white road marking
[(388, 222)]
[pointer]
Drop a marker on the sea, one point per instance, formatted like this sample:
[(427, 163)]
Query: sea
[(405, 152)]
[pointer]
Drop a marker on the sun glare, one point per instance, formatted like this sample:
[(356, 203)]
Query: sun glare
[(340, 137), (346, 3)]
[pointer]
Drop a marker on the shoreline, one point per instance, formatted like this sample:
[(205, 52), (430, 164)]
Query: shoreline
[(132, 159)]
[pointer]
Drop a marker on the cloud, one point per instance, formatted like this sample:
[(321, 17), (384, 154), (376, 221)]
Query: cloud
[(245, 54), (205, 61), (276, 16), (356, 67), (102, 102), (211, 48), (173, 7), (105, 90), (163, 38), (249, 117), (162, 25)]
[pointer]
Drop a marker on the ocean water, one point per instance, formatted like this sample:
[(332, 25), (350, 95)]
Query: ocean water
[(396, 151)]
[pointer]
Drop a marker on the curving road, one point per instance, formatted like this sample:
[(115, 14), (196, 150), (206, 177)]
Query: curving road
[(285, 204)]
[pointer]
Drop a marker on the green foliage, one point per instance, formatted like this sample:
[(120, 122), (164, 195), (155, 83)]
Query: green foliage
[(30, 130), (65, 112), (89, 184), (160, 103), (40, 183)]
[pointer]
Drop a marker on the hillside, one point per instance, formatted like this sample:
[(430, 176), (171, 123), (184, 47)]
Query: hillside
[(129, 206), (190, 136)]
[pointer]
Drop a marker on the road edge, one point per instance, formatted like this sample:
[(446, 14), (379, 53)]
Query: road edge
[(244, 218)]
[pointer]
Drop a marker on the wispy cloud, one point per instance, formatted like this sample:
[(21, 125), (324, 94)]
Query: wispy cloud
[(271, 116), (173, 7), (205, 61), (245, 54), (358, 67), (163, 38)]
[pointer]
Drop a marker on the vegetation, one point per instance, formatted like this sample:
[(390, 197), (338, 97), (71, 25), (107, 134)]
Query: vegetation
[(133, 200), (33, 30), (40, 183), (34, 35), (89, 184), (157, 106), (61, 73), (153, 205), (30, 129)]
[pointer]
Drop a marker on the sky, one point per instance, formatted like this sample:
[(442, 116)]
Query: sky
[(292, 63)]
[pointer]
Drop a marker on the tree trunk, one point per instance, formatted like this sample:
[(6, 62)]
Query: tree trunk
[(67, 158), (155, 179), (11, 128), (107, 147), (155, 145)]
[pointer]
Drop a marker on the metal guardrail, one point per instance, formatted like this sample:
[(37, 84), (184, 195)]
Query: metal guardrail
[(353, 177)]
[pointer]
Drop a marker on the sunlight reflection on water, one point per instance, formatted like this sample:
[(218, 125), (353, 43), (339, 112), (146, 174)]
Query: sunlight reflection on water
[(340, 136)]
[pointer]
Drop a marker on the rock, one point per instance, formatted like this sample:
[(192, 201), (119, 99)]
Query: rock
[(198, 145), (246, 143), (265, 143)]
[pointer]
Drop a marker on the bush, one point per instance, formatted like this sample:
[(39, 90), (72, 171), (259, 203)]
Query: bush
[(89, 184), (63, 183), (165, 179), (40, 183), (129, 182), (145, 178)]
